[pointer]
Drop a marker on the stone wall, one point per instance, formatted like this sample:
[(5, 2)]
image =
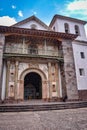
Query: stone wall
[(69, 70), (63, 82), (82, 94)]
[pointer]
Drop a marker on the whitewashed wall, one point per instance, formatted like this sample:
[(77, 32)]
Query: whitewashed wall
[(29, 24), (80, 63), (59, 27), (77, 48)]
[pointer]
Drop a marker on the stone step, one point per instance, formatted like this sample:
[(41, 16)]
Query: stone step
[(41, 107)]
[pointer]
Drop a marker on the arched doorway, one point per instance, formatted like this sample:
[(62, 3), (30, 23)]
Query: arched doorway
[(32, 86)]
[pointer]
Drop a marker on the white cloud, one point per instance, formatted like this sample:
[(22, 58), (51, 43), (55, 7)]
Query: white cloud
[(34, 12), (7, 21), (77, 5), (79, 8), (13, 7), (76, 9), (20, 13)]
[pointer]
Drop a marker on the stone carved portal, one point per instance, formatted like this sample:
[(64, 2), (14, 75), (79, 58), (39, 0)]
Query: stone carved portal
[(32, 86)]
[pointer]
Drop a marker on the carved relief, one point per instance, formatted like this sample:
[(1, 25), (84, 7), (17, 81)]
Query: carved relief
[(53, 72), (33, 65), (22, 66), (12, 72), (43, 67)]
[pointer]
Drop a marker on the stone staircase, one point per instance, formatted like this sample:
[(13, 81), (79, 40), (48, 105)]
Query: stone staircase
[(42, 106)]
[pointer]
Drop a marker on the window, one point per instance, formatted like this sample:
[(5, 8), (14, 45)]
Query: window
[(77, 30), (54, 28), (32, 49), (82, 55), (33, 26), (66, 26), (81, 72)]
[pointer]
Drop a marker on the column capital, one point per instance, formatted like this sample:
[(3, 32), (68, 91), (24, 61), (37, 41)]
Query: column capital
[(17, 63), (49, 64), (8, 63)]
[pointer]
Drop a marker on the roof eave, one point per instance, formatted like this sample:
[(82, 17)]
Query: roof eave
[(67, 18), (38, 33)]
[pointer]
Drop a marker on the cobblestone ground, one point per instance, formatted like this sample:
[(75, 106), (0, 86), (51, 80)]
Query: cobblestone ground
[(70, 119)]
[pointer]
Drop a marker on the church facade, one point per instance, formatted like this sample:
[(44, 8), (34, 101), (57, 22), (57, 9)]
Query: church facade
[(41, 62)]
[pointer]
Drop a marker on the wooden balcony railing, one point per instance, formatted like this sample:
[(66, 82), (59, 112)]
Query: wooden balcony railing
[(32, 51)]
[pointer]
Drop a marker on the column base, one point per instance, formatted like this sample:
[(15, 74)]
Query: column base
[(54, 99)]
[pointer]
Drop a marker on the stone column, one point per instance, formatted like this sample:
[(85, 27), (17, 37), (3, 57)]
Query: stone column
[(16, 78), (2, 41), (69, 69), (50, 80), (7, 79), (3, 81), (57, 80), (44, 90), (45, 46), (23, 45)]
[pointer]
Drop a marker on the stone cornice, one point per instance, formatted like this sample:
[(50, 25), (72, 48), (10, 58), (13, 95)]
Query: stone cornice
[(36, 33)]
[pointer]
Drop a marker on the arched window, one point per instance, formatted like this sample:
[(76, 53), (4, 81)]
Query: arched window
[(66, 26), (54, 28), (77, 30), (33, 26)]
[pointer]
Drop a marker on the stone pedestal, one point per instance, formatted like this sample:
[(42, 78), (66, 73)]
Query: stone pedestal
[(69, 70)]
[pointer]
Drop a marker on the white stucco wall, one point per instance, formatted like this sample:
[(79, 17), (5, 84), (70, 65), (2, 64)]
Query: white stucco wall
[(59, 27), (28, 25), (80, 63)]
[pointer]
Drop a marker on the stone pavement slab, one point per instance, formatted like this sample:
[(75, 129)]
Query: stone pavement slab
[(70, 119)]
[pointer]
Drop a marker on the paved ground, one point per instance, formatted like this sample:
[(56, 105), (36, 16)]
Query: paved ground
[(70, 119)]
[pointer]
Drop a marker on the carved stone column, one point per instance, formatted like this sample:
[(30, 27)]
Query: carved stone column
[(2, 41), (7, 79), (16, 78), (69, 70), (57, 80), (21, 90), (45, 46), (50, 80), (23, 45), (44, 90)]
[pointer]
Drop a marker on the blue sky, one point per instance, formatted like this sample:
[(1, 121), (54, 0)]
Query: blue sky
[(12, 11)]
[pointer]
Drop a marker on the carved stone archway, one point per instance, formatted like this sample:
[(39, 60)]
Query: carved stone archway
[(43, 78)]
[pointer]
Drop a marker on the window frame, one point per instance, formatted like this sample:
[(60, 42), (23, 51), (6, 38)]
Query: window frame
[(81, 72), (77, 30), (82, 55), (66, 27)]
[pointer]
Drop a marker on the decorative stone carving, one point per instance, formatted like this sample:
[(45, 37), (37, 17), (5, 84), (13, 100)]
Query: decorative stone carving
[(34, 65)]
